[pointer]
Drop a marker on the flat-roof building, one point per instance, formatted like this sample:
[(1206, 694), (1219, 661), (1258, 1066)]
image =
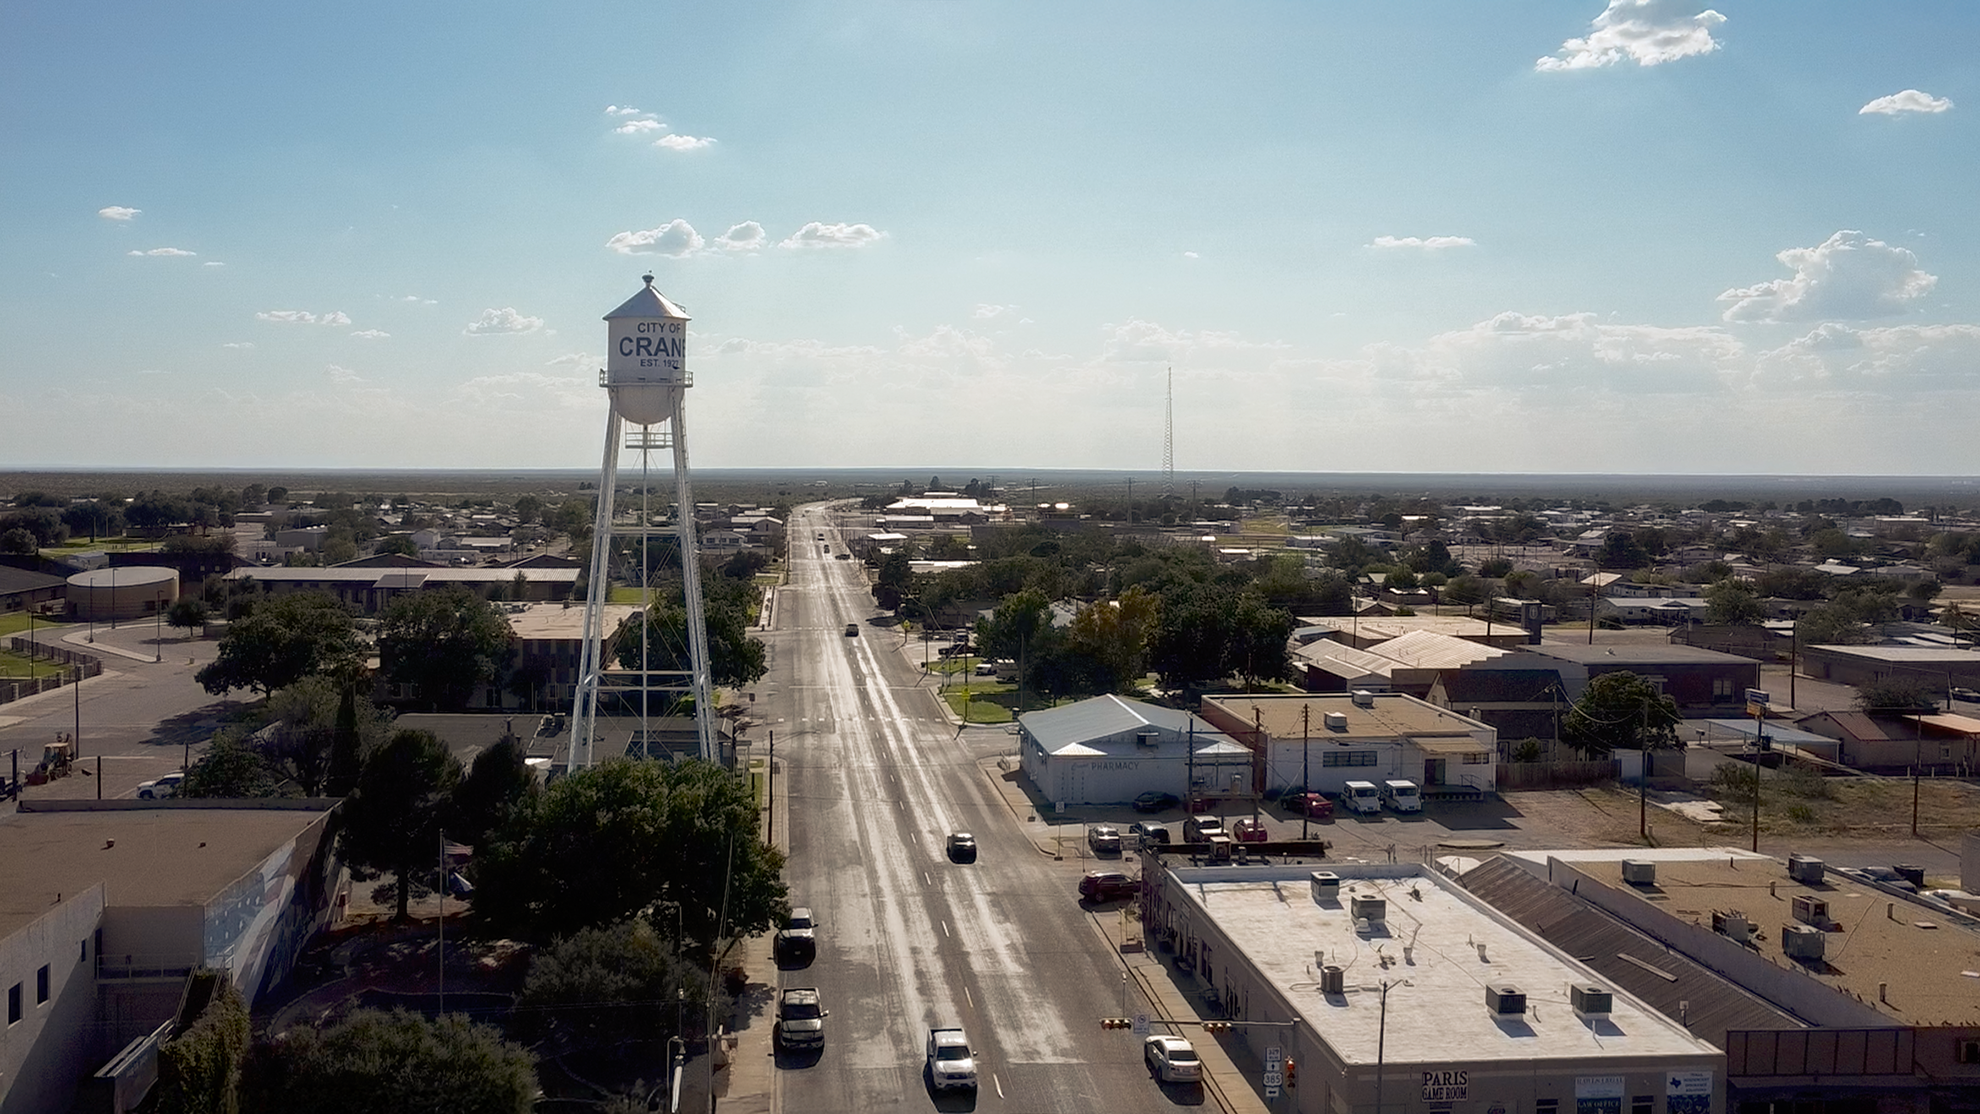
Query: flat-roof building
[(1324, 741)]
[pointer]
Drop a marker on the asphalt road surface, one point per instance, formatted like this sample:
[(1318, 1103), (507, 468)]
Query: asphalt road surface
[(873, 778)]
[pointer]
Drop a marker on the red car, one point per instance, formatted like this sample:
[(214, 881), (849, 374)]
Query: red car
[(1250, 831), (1316, 806), (1107, 885)]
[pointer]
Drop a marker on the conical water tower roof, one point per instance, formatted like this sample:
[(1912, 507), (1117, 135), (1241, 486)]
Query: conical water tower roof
[(648, 303)]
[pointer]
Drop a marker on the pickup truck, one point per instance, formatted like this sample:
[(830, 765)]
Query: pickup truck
[(951, 1064)]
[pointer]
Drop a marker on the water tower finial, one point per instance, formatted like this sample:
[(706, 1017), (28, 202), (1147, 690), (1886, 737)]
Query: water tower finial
[(648, 279)]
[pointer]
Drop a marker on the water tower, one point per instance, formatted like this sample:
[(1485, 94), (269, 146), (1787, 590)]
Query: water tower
[(646, 377)]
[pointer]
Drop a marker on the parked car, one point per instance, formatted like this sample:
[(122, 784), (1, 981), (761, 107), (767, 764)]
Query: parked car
[(798, 939), (1199, 829), (1250, 831), (1150, 834), (1104, 840), (1314, 806), (1172, 1060), (1971, 696), (160, 788), (951, 1064), (800, 1020), (1155, 802), (1107, 885), (842, 555), (852, 630), (962, 847)]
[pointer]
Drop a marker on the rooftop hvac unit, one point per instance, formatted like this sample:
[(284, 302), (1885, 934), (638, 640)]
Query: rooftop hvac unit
[(1333, 980), (1732, 925), (1367, 907), (1800, 941), (1590, 1000), (1326, 885), (1639, 872), (1363, 698), (1912, 874), (1337, 721), (1805, 870), (1811, 910), (1505, 1000)]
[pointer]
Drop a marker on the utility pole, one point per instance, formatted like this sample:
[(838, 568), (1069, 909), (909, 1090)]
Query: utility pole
[(1305, 764)]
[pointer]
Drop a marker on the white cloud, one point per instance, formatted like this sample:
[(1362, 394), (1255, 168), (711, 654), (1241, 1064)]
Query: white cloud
[(1911, 100), (304, 317), (238, 344), (1847, 277), (683, 142), (371, 334), (747, 236), (502, 322), (1423, 243), (640, 127), (1191, 255), (988, 312), (1900, 359), (213, 263), (167, 252), (1646, 32), (417, 300), (817, 234), (118, 212), (676, 238), (1139, 340), (530, 392), (344, 375), (622, 110)]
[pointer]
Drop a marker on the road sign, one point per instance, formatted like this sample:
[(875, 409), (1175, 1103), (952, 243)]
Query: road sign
[(1275, 1057), (1141, 1025), (1758, 696), (1271, 1092), (1275, 1079)]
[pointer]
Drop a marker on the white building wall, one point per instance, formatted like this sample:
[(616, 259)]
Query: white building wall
[(47, 1052)]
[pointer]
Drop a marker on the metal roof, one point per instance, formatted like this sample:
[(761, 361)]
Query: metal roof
[(648, 303), (1104, 716), (1422, 649)]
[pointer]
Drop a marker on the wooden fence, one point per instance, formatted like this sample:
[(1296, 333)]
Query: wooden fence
[(1554, 775)]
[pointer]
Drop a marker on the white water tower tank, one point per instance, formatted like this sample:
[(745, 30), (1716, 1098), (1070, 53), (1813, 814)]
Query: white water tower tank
[(646, 356)]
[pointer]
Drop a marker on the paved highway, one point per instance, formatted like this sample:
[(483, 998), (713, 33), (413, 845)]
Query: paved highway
[(873, 778)]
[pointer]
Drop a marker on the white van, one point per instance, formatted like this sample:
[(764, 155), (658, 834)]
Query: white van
[(1402, 796), (1361, 796)]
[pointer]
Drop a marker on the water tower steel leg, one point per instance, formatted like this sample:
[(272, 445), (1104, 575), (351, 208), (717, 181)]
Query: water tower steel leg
[(704, 702), (591, 664)]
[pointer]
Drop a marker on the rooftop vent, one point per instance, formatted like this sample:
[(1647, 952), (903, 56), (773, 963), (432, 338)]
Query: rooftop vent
[(1590, 1000), (1333, 980), (1369, 908), (1639, 872), (1505, 1000), (1337, 721), (1805, 870), (1800, 941), (1326, 885), (1363, 698), (1733, 925), (1146, 738), (1811, 910)]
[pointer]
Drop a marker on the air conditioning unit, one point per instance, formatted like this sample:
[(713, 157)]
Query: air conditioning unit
[(1590, 1000), (1336, 721), (1805, 870), (1367, 907), (1505, 1000), (1326, 885), (1811, 910), (1333, 980), (1800, 941), (1363, 698), (1733, 925), (1639, 872)]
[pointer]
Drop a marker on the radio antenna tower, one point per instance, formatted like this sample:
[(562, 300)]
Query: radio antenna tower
[(1169, 441)]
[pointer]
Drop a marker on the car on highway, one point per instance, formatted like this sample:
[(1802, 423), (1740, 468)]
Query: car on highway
[(1104, 839), (1149, 834), (951, 1064), (1156, 802), (962, 847), (1107, 885), (1971, 696), (798, 939), (160, 788), (852, 630), (1172, 1060), (842, 555), (800, 1019)]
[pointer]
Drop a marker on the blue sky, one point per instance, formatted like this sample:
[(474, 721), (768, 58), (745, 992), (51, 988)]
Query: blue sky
[(1640, 237)]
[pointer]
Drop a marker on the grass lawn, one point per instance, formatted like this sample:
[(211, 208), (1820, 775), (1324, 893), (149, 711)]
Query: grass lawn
[(15, 666), (16, 622)]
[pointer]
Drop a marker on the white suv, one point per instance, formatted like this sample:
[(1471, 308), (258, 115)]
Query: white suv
[(167, 786)]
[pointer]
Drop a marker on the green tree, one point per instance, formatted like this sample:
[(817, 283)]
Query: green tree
[(18, 540), (199, 1068), (392, 1063), (498, 787), (401, 544), (528, 508), (1495, 568), (1466, 591), (1114, 635), (300, 742), (625, 838), (444, 644), (1621, 550), (392, 822), (284, 639), (1621, 711), (1016, 627), (607, 987), (187, 612), (1893, 694), (1734, 602), (734, 657), (231, 767)]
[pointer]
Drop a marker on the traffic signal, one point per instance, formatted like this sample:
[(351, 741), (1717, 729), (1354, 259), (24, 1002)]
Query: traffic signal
[(1216, 1026), (1116, 1023)]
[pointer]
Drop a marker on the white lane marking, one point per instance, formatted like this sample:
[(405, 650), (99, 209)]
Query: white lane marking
[(970, 998), (945, 930), (998, 1083)]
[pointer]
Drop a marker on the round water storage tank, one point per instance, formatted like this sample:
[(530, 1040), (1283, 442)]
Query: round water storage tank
[(646, 356), (129, 592)]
